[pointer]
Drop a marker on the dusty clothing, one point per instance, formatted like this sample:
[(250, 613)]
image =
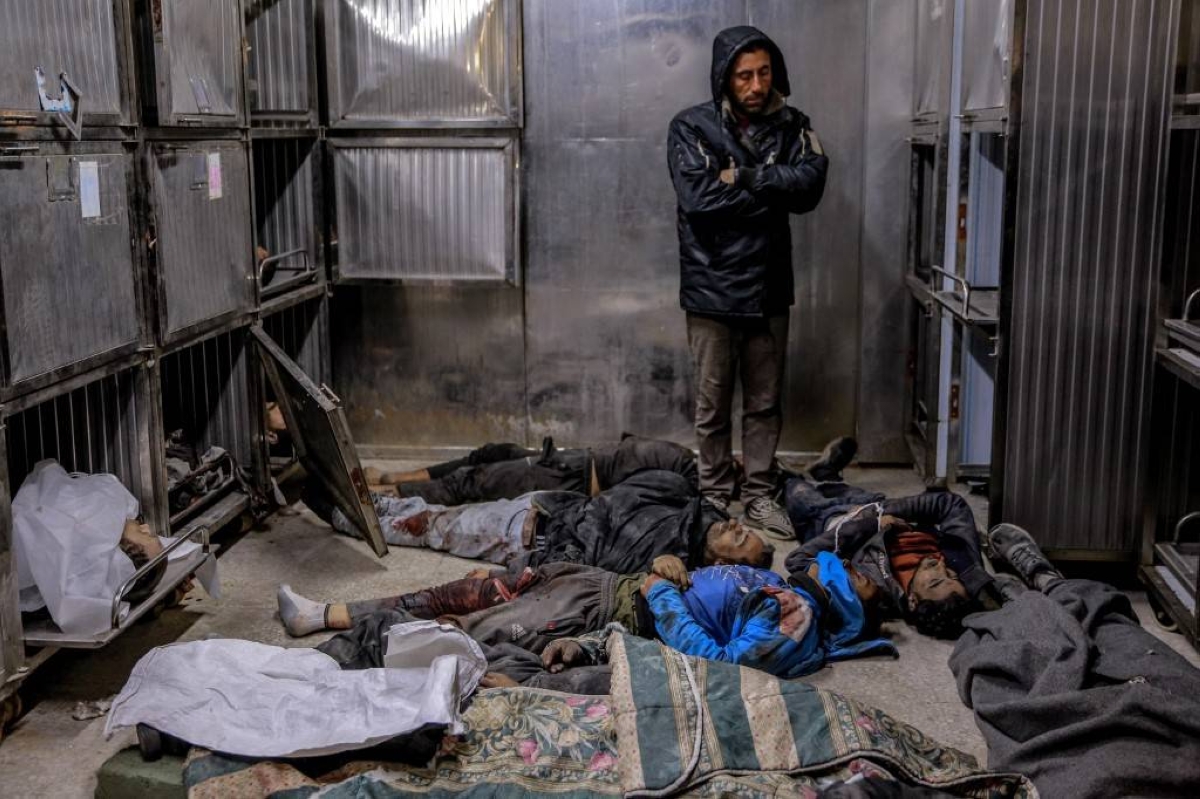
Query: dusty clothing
[(496, 531), (1069, 690), (362, 647), (723, 349), (626, 527), (907, 550), (622, 529), (735, 241), (811, 507), (506, 471), (859, 538), (556, 601)]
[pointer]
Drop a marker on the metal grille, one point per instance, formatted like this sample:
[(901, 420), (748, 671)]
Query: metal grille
[(93, 429), (65, 255), (302, 332), (1096, 89), (281, 33), (73, 36), (205, 393), (415, 61), (205, 61), (425, 213), (284, 206), (204, 234)]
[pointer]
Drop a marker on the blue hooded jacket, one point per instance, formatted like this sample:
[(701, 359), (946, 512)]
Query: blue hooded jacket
[(751, 617)]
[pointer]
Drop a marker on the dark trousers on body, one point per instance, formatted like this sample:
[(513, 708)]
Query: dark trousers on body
[(1069, 690), (526, 608), (724, 350)]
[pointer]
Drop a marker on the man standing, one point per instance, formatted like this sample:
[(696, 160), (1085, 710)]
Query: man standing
[(740, 165)]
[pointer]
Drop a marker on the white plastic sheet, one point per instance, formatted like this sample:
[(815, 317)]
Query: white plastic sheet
[(255, 700), (67, 531)]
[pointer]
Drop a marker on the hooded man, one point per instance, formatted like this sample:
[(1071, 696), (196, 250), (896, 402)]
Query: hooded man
[(741, 164)]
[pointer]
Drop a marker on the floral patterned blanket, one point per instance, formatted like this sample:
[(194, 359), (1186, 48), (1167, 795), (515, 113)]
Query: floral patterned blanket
[(673, 725)]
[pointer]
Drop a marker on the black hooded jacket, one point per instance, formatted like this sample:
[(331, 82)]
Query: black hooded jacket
[(624, 528), (735, 242), (946, 515)]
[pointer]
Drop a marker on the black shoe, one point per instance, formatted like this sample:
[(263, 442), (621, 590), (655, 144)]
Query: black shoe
[(1008, 587), (1017, 547), (835, 457)]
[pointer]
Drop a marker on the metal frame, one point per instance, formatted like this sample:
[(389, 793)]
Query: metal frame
[(46, 125), (272, 122), (510, 144), (155, 86), (9, 390), (1012, 160), (928, 149), (334, 107)]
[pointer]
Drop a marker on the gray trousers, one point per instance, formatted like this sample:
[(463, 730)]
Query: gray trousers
[(723, 351)]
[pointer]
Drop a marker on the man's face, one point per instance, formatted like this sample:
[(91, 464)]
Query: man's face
[(750, 81), (731, 542), (935, 582)]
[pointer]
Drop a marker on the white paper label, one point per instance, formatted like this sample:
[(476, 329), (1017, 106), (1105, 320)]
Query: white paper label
[(89, 189), (214, 176)]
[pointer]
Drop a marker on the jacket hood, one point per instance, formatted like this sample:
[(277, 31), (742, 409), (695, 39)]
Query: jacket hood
[(730, 43)]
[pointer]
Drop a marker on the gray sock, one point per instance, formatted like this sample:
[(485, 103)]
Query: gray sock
[(300, 616)]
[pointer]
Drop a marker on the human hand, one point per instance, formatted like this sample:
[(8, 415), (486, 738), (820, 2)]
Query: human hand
[(650, 582), (495, 680), (562, 653), (889, 522), (481, 573), (669, 567), (729, 174)]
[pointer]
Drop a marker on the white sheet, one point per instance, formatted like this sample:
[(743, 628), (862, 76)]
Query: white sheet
[(251, 699)]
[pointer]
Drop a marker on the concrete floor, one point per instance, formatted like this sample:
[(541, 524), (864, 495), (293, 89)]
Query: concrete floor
[(51, 754)]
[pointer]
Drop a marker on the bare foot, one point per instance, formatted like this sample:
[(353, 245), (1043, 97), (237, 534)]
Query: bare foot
[(494, 680)]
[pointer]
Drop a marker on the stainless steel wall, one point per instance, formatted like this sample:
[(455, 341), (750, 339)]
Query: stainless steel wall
[(594, 343), (883, 340), (1095, 96)]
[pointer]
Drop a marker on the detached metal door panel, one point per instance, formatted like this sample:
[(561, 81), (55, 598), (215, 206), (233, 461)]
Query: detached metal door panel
[(65, 258), (198, 60), (426, 209), (321, 436), (78, 37), (203, 222)]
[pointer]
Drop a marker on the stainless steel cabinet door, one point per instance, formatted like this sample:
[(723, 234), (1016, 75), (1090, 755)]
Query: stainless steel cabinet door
[(196, 55), (201, 204), (413, 63), (66, 261), (78, 37)]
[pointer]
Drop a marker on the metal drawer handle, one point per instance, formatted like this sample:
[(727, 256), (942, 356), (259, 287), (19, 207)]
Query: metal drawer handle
[(17, 149), (1179, 525), (119, 597), (1187, 305), (966, 306)]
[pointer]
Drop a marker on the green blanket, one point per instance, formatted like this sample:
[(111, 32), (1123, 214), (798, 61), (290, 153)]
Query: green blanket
[(673, 725)]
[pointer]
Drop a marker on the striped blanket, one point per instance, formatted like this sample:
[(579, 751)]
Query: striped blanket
[(673, 725)]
